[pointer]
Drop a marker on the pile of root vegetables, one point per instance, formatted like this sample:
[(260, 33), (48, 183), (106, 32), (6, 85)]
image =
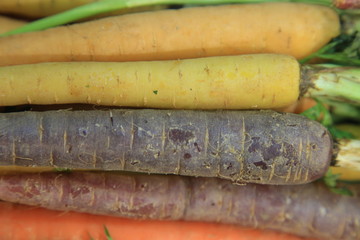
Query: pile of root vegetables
[(180, 119)]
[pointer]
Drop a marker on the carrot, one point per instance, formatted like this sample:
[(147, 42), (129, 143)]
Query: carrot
[(227, 82), (38, 8), (43, 8), (7, 23), (18, 223), (175, 34), (244, 146), (308, 210), (251, 81), (299, 106)]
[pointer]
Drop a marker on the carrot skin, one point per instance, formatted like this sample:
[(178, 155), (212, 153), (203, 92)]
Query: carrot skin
[(243, 146), (257, 81), (225, 30), (18, 223), (7, 23), (309, 210)]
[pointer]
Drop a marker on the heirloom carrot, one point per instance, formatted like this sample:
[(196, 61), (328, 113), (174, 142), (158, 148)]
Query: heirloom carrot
[(7, 23), (308, 210), (39, 8), (254, 81), (17, 223), (289, 28), (243, 146)]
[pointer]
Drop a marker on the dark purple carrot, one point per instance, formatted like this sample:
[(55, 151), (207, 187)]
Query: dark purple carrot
[(309, 210), (244, 146)]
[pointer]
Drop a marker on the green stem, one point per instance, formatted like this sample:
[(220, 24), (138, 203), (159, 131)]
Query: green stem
[(333, 83), (343, 112), (104, 6)]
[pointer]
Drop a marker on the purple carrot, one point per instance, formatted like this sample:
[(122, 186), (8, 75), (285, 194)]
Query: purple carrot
[(309, 210), (244, 146)]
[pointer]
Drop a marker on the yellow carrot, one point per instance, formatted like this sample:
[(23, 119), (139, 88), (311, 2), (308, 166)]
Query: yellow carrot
[(289, 28), (228, 82)]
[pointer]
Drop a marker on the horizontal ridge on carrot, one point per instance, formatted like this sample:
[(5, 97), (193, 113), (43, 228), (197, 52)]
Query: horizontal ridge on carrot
[(309, 210), (255, 81), (243, 146), (289, 28)]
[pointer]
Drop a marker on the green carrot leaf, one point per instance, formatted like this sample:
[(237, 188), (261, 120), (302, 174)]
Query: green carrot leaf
[(340, 133), (319, 113), (344, 50), (342, 191), (62, 169), (107, 233), (330, 179)]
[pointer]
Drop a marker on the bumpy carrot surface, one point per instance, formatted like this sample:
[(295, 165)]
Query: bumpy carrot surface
[(310, 210), (244, 146)]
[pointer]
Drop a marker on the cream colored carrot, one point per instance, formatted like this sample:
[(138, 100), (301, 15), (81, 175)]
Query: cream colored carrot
[(39, 8), (44, 8), (228, 82), (289, 28), (7, 23)]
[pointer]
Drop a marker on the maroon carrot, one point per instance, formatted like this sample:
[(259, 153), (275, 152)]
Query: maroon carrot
[(309, 210), (244, 146)]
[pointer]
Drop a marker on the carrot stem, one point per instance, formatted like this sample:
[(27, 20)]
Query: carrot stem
[(104, 6), (333, 83)]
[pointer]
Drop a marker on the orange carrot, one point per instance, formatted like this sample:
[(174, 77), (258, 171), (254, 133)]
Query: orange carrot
[(290, 28), (300, 106), (20, 222)]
